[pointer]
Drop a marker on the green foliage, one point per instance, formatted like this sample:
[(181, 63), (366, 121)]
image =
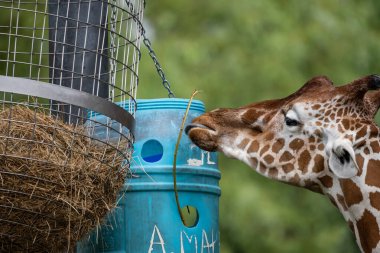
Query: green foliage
[(238, 52)]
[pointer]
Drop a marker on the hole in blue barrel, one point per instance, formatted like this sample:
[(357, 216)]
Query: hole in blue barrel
[(152, 151), (190, 215)]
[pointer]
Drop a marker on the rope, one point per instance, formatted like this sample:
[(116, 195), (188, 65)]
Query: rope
[(195, 92)]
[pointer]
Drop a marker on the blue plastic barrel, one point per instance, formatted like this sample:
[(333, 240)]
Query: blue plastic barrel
[(147, 219)]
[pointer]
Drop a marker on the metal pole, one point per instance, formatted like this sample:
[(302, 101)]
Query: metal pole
[(78, 51)]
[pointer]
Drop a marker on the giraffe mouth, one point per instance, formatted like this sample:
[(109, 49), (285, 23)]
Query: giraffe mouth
[(203, 136), (196, 125)]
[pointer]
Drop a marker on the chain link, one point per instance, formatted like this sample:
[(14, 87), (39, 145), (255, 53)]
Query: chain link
[(159, 69)]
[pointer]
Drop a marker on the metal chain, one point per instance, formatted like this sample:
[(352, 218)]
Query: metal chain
[(159, 69), (153, 55)]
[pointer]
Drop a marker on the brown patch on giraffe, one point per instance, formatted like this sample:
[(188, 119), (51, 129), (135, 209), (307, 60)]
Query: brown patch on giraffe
[(278, 145), (368, 231), (341, 201), (296, 144), (311, 139), (360, 144), (332, 116), (326, 181), (346, 124), (288, 167), (374, 198), (316, 107), (352, 193), (362, 132), (366, 151), (286, 156), (243, 144), (264, 149), (374, 130), (321, 147), (340, 112), (319, 163), (375, 146), (262, 168), (295, 180), (269, 136), (254, 147), (273, 173), (269, 159), (251, 116), (304, 160), (373, 173)]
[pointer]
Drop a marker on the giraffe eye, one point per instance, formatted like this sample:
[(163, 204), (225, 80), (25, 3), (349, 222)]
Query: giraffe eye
[(291, 122)]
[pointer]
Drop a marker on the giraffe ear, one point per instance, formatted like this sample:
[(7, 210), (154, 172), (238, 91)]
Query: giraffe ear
[(342, 159)]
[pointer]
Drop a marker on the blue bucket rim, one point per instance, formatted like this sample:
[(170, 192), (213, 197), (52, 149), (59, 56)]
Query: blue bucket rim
[(169, 103), (159, 104)]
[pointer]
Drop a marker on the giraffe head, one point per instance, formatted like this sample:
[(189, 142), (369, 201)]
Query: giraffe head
[(321, 137)]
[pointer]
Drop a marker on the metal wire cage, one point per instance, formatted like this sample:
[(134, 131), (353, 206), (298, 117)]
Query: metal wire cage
[(68, 82)]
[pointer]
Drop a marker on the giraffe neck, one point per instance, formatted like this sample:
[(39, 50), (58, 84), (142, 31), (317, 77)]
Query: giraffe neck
[(358, 199)]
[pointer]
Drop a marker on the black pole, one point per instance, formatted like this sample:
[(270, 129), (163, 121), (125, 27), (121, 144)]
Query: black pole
[(78, 55)]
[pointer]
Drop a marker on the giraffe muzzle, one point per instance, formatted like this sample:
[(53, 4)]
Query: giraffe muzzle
[(203, 136)]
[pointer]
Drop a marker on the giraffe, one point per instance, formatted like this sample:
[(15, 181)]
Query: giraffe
[(322, 138)]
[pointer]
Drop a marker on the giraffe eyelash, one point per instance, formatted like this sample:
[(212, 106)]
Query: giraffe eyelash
[(290, 122), (257, 128)]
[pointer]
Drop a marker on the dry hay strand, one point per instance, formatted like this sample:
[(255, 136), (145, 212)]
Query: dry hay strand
[(56, 183)]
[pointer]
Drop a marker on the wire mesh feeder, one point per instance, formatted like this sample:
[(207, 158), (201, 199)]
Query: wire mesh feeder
[(67, 70)]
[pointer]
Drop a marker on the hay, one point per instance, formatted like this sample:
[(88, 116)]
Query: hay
[(56, 183)]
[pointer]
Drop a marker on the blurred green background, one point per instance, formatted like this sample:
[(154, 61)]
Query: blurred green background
[(238, 52)]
